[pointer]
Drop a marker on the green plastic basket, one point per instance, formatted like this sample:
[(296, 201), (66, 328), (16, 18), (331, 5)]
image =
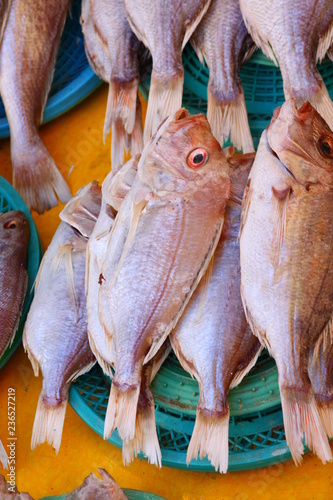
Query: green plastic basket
[(11, 200), (131, 495), (262, 83)]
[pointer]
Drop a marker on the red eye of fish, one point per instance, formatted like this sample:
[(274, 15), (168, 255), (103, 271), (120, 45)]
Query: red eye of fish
[(12, 224), (197, 158), (326, 146)]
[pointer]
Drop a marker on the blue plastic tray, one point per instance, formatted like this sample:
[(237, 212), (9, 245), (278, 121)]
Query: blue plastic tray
[(131, 495), (73, 79)]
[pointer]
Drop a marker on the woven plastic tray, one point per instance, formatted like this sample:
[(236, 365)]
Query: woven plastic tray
[(131, 495), (73, 79), (11, 200), (262, 83)]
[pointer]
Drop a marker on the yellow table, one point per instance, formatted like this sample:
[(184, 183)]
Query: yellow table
[(75, 142)]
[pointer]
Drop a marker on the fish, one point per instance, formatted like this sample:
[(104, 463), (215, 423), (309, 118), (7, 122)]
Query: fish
[(114, 53), (222, 40), (164, 28), (295, 36), (55, 333), (161, 243), (5, 6), (14, 239), (8, 493), (114, 189), (212, 339), (27, 59), (286, 249), (98, 489)]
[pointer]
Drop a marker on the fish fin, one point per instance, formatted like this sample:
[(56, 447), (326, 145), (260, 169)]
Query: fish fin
[(165, 98), (319, 98), (325, 409), (301, 416), (210, 437), (240, 374), (121, 105), (118, 144), (48, 423), (32, 359), (159, 359), (117, 183), (81, 371), (264, 45), (106, 367), (260, 335), (324, 340), (190, 29), (36, 177), (145, 438), (3, 456), (63, 256), (135, 138), (281, 197), (121, 412), (325, 43), (229, 119), (82, 210), (246, 202), (156, 345)]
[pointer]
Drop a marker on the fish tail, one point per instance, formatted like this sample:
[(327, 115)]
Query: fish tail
[(119, 142), (3, 456), (145, 438), (121, 411), (228, 118), (135, 138), (165, 98), (36, 177), (325, 409), (322, 102), (210, 437), (301, 417), (49, 422)]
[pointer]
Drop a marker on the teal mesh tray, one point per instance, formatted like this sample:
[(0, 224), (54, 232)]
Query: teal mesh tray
[(11, 200), (256, 432), (262, 83), (73, 79), (131, 495)]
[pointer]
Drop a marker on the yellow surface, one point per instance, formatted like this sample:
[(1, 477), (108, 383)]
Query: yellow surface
[(76, 139)]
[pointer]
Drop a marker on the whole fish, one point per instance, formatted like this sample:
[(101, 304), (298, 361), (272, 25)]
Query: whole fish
[(27, 59), (295, 35), (98, 489), (212, 339), (286, 247), (55, 334), (14, 238), (163, 238), (321, 376), (113, 52), (222, 40), (164, 28)]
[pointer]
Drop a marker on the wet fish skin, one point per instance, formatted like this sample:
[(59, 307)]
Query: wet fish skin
[(113, 52), (222, 40), (286, 246), (212, 339), (14, 239), (164, 28), (148, 260), (27, 60), (296, 35), (55, 334)]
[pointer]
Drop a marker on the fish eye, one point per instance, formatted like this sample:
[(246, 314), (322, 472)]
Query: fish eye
[(326, 146), (197, 158), (11, 224)]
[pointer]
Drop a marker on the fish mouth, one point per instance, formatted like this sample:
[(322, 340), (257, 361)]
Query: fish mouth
[(283, 165)]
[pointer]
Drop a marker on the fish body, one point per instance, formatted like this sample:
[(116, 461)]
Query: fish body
[(212, 339), (286, 246), (295, 35), (14, 239), (55, 334), (164, 235), (164, 28), (5, 6), (27, 59), (98, 489), (222, 40), (113, 52)]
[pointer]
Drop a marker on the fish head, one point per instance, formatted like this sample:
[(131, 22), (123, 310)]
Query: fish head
[(183, 153), (303, 142), (14, 227), (240, 167)]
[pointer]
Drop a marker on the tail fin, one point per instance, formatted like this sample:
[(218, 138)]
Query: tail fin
[(229, 118), (36, 177), (3, 456), (210, 437), (325, 409), (48, 423), (300, 416), (121, 411), (145, 438), (165, 98), (121, 105)]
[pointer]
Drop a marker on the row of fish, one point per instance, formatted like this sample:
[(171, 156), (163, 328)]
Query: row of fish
[(163, 267)]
